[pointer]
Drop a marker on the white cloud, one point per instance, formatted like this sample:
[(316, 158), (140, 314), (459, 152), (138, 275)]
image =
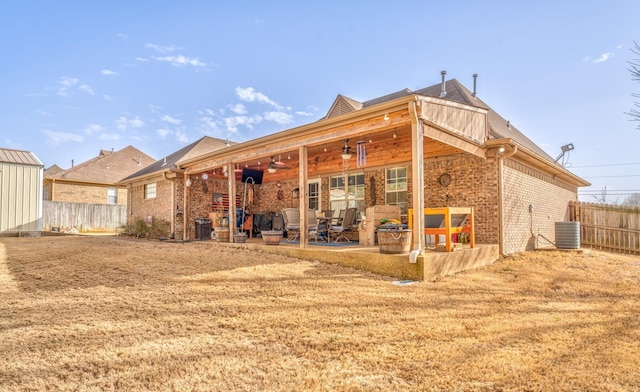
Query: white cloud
[(67, 87), (169, 119), (136, 123), (181, 136), (107, 97), (43, 113), (180, 60), (603, 57), (154, 108), (162, 48), (163, 133), (232, 123), (108, 72), (303, 114), (109, 136), (66, 84), (56, 138), (210, 123), (121, 36), (238, 108), (279, 117), (142, 59), (92, 128), (249, 94), (124, 123), (86, 88)]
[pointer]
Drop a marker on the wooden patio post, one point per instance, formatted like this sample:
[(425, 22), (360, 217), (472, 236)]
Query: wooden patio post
[(232, 201), (417, 176), (304, 190)]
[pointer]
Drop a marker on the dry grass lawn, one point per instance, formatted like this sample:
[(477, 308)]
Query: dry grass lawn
[(105, 313)]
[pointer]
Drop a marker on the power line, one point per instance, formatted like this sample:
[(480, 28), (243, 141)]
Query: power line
[(609, 164), (624, 176), (609, 190)]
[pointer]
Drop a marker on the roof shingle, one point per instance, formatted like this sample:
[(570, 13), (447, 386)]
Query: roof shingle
[(19, 157), (108, 167)]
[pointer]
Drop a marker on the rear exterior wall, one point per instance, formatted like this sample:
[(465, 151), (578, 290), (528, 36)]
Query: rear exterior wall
[(474, 183), (159, 207), (549, 200)]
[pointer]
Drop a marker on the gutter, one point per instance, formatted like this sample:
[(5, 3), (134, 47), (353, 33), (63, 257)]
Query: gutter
[(567, 175), (226, 155)]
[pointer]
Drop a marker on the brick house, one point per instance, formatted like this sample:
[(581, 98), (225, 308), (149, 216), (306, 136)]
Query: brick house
[(401, 147), (95, 181), (157, 190)]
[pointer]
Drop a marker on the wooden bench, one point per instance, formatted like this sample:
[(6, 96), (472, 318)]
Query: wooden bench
[(448, 221)]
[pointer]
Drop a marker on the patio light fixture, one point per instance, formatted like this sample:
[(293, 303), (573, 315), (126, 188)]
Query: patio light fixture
[(346, 151)]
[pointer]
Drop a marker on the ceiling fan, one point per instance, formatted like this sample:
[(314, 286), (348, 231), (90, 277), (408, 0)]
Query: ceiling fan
[(275, 165)]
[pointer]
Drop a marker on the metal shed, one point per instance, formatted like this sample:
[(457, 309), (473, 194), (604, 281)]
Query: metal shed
[(20, 192)]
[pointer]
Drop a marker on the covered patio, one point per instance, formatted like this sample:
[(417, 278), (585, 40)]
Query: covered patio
[(394, 152)]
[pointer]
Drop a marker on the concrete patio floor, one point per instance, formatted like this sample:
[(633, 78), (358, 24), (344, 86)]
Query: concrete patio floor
[(430, 266)]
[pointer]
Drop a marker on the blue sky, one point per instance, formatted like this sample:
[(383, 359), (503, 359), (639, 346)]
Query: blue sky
[(80, 76)]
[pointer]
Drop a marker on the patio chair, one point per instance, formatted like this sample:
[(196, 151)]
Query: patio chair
[(348, 224), (328, 214), (337, 220), (291, 223), (314, 228)]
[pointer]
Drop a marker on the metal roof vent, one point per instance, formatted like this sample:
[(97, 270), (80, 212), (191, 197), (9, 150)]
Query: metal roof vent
[(443, 90), (475, 79)]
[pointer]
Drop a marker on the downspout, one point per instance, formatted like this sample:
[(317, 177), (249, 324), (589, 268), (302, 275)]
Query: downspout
[(417, 178), (186, 194), (40, 198), (501, 159), (129, 202), (173, 203)]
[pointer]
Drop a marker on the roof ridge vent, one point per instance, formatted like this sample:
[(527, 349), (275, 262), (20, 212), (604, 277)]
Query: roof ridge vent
[(443, 90)]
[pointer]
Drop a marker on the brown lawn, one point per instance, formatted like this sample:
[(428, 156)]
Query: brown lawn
[(105, 313)]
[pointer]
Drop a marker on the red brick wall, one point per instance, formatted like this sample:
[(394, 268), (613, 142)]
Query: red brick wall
[(159, 207), (474, 183), (524, 186)]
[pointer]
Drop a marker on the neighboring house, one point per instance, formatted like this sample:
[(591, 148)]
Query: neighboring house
[(95, 181), (434, 147), (20, 192), (157, 190)]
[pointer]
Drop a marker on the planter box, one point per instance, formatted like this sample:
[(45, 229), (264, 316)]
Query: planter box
[(240, 237), (272, 237), (394, 241)]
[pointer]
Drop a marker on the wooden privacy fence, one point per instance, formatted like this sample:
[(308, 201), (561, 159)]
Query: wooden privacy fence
[(83, 217), (607, 226)]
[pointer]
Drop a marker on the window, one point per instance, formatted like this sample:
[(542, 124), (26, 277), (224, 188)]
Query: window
[(112, 196), (396, 188), (351, 194), (150, 191), (314, 195)]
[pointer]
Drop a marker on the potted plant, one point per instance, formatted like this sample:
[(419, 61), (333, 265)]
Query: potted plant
[(272, 237)]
